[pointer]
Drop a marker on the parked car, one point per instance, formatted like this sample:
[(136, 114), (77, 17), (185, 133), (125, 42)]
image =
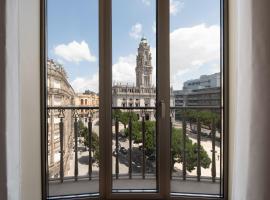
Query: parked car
[(123, 150), (152, 158)]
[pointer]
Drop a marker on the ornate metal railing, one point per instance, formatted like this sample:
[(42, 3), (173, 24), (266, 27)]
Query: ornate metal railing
[(70, 117), (198, 122), (143, 114)]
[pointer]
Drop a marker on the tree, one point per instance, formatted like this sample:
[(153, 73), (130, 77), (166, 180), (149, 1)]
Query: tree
[(123, 117), (206, 117), (177, 145), (116, 113), (81, 127), (177, 150), (83, 131), (149, 134)]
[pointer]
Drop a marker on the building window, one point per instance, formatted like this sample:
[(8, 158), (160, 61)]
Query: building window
[(57, 84), (117, 151)]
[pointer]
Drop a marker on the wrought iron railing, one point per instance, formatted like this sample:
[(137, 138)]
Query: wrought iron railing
[(179, 114), (141, 112), (212, 123), (74, 116)]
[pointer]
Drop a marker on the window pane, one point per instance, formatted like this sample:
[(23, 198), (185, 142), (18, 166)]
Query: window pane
[(73, 99), (196, 113), (134, 96)]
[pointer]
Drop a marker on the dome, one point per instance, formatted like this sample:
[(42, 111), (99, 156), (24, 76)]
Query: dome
[(143, 40)]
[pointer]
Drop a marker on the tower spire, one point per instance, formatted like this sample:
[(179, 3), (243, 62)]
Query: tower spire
[(144, 65)]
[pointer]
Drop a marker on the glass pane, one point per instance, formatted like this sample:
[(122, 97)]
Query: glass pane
[(196, 97), (73, 97), (134, 96)]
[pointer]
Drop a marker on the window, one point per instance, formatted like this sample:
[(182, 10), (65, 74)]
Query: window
[(173, 143), (57, 84)]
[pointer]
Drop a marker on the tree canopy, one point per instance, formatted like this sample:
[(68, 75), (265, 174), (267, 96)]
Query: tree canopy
[(177, 145), (95, 142)]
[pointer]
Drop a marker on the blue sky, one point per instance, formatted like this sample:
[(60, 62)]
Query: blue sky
[(73, 38)]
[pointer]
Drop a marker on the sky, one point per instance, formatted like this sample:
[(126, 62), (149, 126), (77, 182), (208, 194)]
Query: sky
[(73, 39)]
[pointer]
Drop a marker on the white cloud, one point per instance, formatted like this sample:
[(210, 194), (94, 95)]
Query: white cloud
[(176, 6), (124, 69), (192, 48), (136, 31), (147, 2), (74, 52), (80, 84)]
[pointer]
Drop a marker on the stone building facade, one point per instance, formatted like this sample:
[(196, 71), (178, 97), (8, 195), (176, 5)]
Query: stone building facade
[(87, 98), (90, 99), (60, 93), (143, 94)]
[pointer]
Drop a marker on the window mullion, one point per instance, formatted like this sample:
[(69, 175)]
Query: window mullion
[(105, 59), (163, 95)]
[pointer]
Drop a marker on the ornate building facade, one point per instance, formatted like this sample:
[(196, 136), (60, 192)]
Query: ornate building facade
[(60, 93), (144, 93), (87, 98)]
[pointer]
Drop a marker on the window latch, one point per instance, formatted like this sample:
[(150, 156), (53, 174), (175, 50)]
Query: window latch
[(162, 108)]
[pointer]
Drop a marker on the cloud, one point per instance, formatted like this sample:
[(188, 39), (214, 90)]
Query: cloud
[(80, 84), (194, 48), (124, 69), (136, 31), (194, 51), (146, 2), (176, 6), (74, 52)]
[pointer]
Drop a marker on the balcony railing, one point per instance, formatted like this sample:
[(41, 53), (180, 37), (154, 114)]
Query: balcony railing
[(134, 152), (73, 120), (198, 116)]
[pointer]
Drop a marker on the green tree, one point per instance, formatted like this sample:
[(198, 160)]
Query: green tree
[(149, 134), (177, 145), (123, 117), (83, 131), (205, 116), (81, 127), (116, 113), (177, 150)]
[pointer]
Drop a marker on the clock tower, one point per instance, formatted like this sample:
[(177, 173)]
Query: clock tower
[(144, 65)]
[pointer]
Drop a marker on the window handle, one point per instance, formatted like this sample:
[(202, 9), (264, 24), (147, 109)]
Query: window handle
[(162, 108)]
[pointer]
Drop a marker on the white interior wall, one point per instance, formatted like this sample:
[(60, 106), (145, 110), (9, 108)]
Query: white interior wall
[(29, 44), (13, 133), (23, 104)]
